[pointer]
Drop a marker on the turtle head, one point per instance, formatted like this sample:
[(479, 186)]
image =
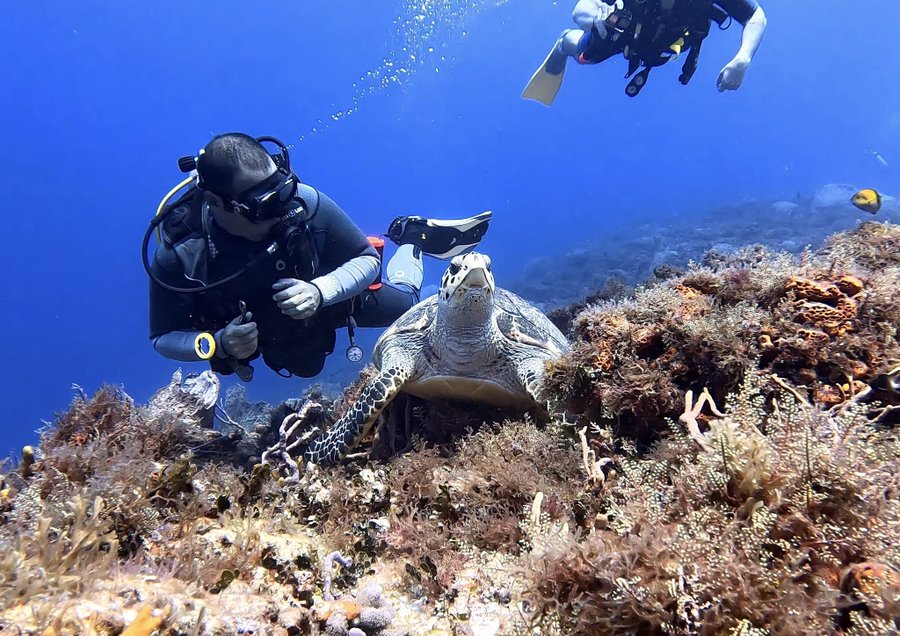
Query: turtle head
[(468, 284)]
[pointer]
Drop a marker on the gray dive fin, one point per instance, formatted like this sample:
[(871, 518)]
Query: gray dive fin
[(544, 86)]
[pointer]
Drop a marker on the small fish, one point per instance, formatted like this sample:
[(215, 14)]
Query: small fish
[(867, 200)]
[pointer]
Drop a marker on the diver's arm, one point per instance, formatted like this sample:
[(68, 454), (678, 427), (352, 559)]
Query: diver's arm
[(584, 13), (348, 280), (182, 345), (178, 345), (347, 250), (592, 13), (752, 35), (732, 76)]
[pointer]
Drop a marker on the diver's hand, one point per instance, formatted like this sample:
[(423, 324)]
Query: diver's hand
[(604, 10), (732, 76), (238, 340), (297, 298)]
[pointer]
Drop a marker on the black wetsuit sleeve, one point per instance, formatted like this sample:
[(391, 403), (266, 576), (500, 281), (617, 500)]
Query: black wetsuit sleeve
[(343, 240), (740, 10)]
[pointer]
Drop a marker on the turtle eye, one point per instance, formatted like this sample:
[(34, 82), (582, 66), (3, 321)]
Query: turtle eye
[(487, 263), (454, 267)]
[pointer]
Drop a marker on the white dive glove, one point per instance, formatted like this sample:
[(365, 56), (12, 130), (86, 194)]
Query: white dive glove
[(732, 76)]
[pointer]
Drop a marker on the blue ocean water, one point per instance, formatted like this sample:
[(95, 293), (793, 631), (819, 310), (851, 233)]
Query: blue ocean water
[(100, 98)]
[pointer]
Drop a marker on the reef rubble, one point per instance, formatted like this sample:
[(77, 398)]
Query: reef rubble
[(721, 456)]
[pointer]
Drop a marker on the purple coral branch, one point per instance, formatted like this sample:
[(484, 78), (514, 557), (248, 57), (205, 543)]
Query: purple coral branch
[(327, 565), (283, 447)]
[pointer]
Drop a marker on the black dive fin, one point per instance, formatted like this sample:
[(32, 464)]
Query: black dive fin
[(439, 238)]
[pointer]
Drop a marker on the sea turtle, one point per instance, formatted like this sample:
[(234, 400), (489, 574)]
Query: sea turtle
[(470, 342)]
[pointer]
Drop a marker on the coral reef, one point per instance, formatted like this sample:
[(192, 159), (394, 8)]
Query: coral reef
[(780, 518), (362, 614), (721, 457), (826, 322)]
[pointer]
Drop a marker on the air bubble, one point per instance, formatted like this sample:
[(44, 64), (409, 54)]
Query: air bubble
[(424, 26)]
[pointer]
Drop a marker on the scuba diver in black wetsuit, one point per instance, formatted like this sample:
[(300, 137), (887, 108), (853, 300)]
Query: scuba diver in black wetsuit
[(251, 262), (649, 33)]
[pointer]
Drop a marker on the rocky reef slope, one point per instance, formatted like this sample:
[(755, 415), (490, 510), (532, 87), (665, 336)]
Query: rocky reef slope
[(719, 456)]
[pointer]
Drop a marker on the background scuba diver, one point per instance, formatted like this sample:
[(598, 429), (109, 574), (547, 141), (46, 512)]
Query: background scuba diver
[(252, 262), (649, 33)]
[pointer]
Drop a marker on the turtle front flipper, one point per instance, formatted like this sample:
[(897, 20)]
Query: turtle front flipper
[(340, 438), (531, 375)]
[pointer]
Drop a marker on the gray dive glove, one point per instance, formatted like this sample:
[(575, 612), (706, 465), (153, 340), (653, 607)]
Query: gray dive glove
[(238, 340)]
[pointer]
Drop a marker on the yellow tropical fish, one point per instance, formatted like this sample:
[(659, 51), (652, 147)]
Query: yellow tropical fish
[(867, 200)]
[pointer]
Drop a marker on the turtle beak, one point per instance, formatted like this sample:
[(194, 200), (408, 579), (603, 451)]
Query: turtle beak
[(477, 278)]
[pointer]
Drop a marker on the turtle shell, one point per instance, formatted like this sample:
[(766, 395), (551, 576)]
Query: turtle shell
[(521, 322)]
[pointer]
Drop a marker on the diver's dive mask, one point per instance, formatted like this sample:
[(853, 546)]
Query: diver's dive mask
[(267, 200)]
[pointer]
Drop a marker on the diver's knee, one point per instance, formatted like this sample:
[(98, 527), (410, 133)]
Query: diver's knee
[(405, 268), (411, 292), (568, 42)]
